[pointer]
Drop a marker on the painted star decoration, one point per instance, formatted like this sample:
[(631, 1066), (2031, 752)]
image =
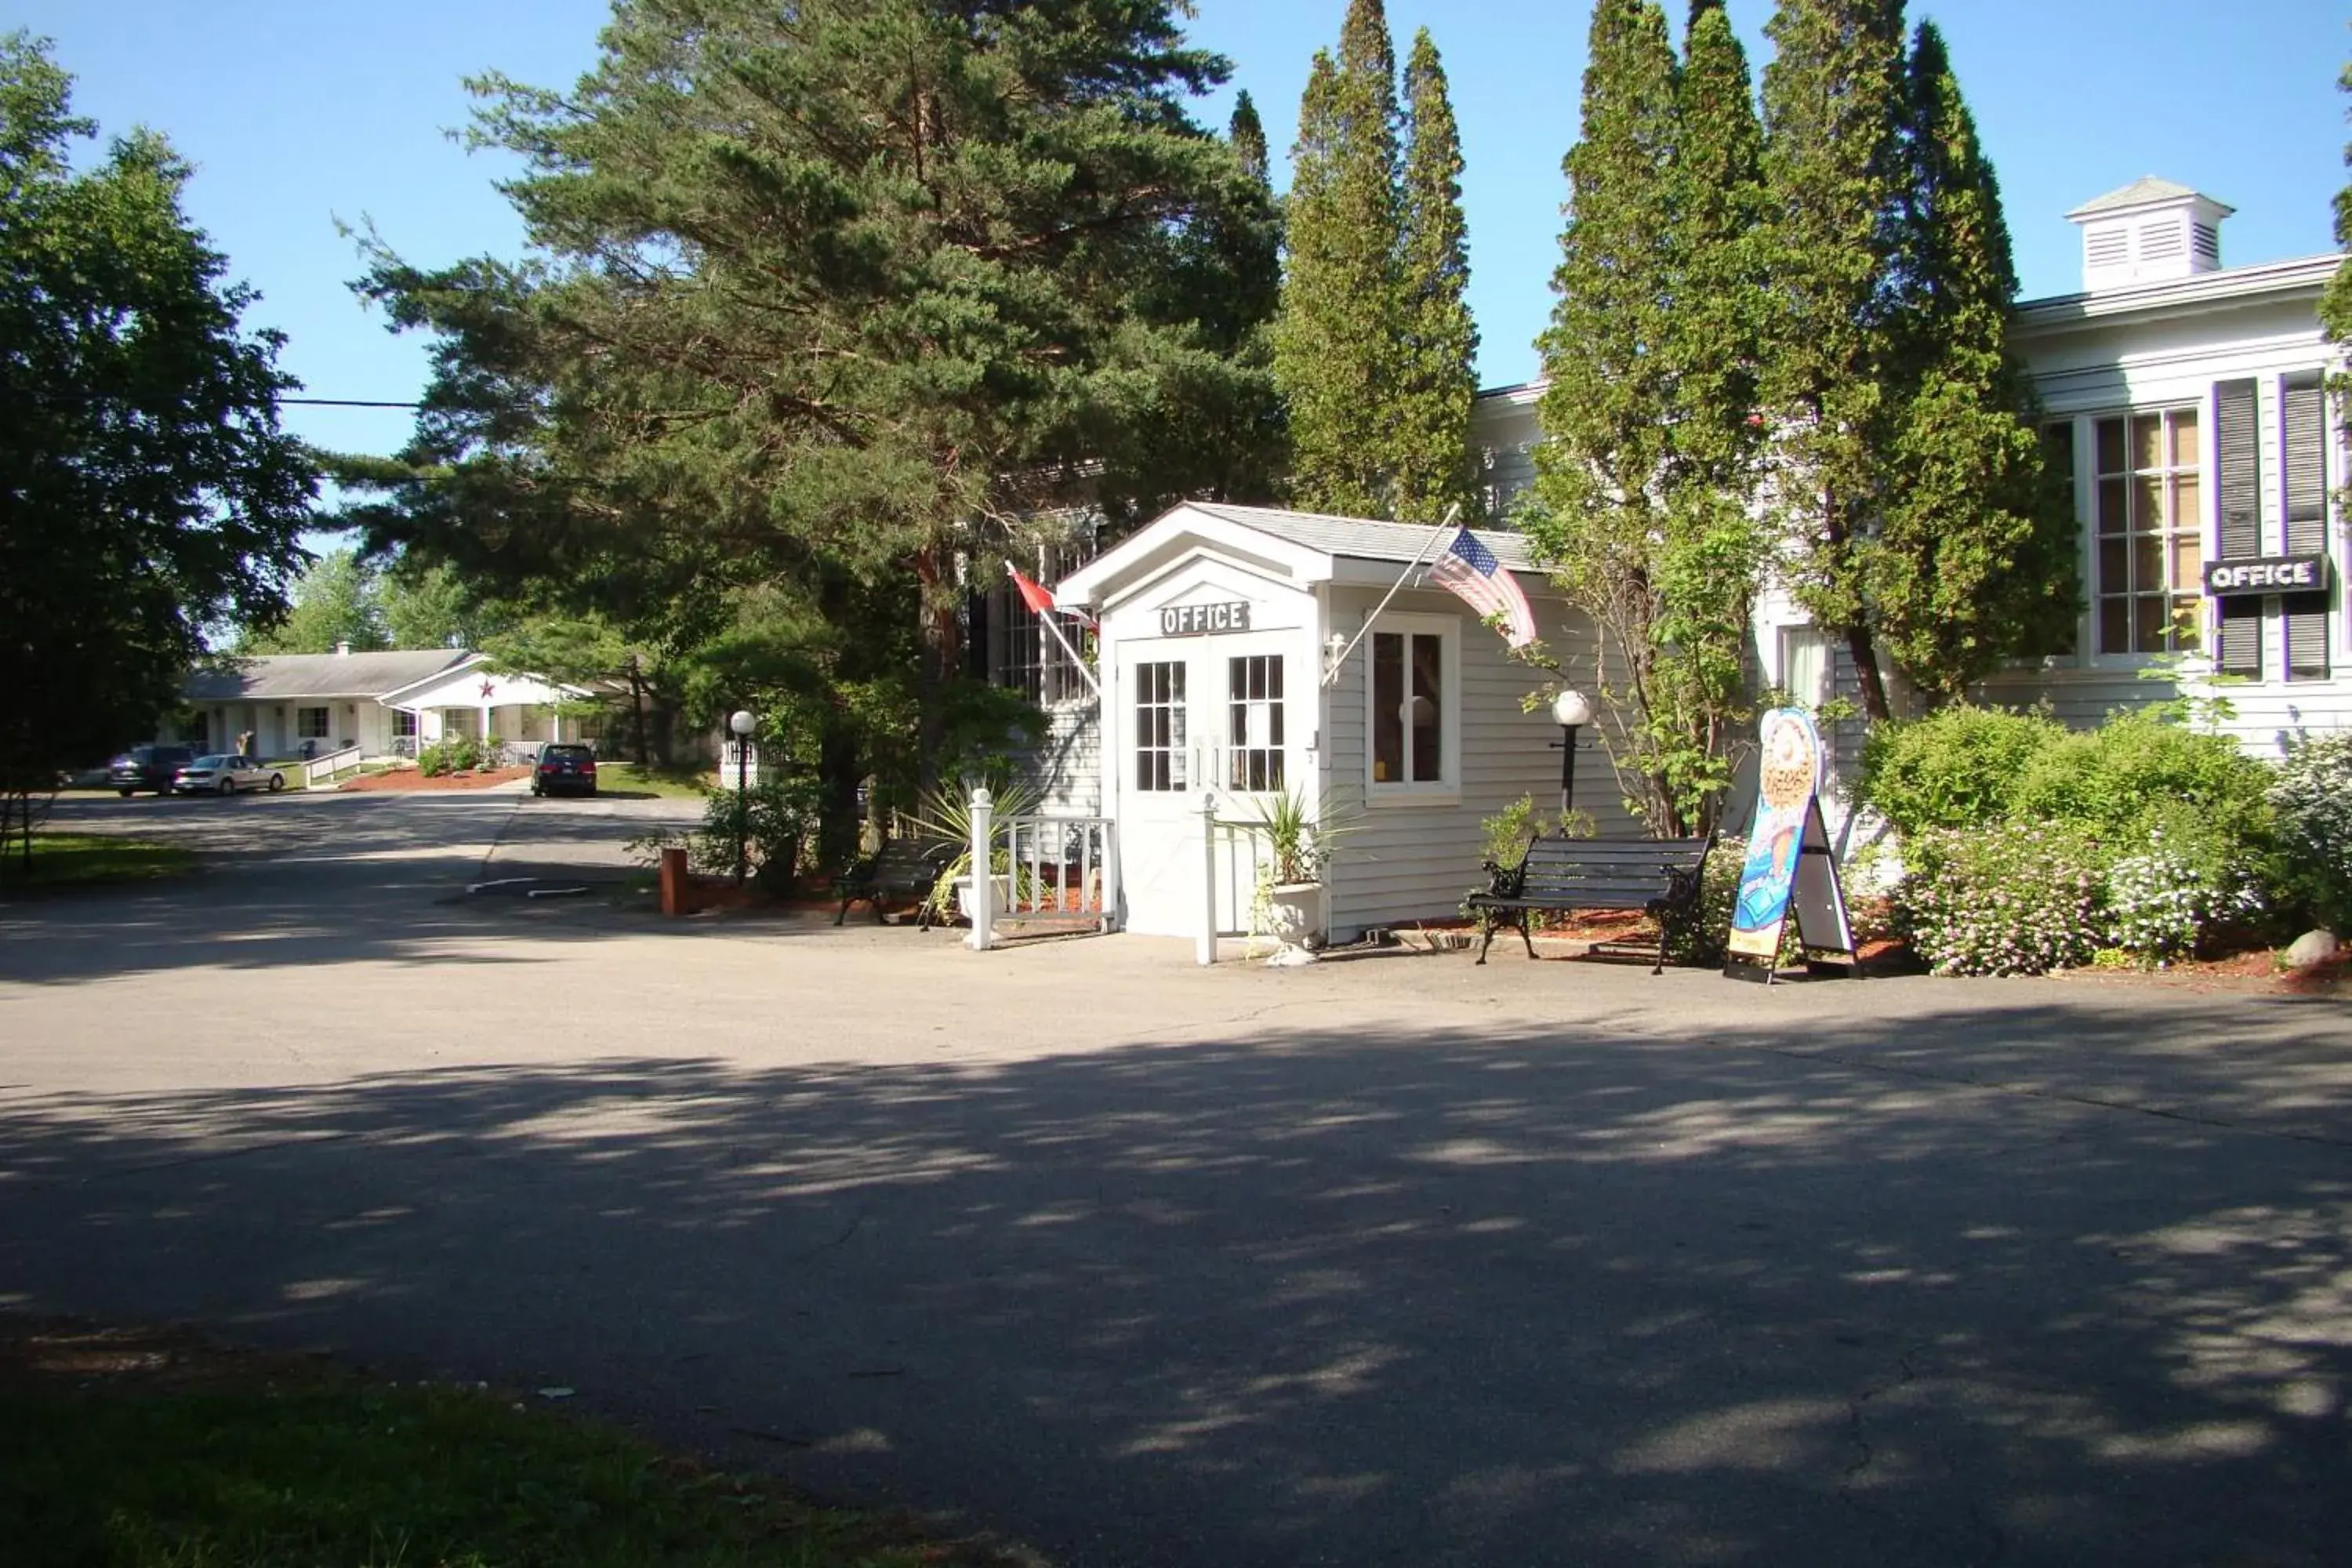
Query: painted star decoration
[(488, 687)]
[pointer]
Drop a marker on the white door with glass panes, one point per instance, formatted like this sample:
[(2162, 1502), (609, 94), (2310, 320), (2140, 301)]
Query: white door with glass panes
[(1219, 714)]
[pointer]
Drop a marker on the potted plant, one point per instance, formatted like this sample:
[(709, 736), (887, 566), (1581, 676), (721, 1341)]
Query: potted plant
[(1289, 903), (946, 819)]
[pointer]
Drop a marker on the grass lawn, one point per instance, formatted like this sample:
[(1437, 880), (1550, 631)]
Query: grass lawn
[(90, 859), (627, 779), (151, 1449)]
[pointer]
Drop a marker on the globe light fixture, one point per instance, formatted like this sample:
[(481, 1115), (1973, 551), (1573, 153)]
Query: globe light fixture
[(1573, 710)]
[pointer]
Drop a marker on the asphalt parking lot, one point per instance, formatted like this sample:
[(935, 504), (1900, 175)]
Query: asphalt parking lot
[(1390, 1261)]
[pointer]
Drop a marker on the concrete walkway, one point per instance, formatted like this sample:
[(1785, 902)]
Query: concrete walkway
[(1395, 1260)]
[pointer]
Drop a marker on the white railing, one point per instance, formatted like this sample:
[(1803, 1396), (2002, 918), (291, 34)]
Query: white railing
[(1061, 867), (1058, 869), (329, 766)]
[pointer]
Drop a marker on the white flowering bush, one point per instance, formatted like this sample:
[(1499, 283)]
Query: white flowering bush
[(2011, 897), (2162, 902), (2312, 799)]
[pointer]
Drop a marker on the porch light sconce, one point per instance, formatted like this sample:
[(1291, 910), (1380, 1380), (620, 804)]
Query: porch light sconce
[(1574, 711), (742, 724), (1334, 649)]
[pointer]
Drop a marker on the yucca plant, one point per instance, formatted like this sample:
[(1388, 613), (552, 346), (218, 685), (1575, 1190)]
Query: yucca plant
[(1298, 834), (945, 816)]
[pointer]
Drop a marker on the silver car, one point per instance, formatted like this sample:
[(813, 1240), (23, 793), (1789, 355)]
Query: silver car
[(225, 774)]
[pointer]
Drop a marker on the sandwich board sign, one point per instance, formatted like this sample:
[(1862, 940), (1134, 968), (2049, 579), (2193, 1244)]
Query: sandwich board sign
[(1790, 870)]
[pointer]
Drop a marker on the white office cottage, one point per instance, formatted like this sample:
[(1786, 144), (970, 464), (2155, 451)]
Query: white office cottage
[(1221, 630)]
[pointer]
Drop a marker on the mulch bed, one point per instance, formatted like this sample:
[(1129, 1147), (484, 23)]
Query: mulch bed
[(413, 779)]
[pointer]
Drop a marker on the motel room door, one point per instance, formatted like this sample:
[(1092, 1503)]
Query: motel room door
[(1221, 714)]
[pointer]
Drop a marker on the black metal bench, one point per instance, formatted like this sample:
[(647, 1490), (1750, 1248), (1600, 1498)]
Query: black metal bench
[(1657, 876), (903, 869)]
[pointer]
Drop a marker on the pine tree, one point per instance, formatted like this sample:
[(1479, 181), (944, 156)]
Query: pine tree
[(1430, 411), (1337, 342), (1973, 559), (826, 301), (1833, 121)]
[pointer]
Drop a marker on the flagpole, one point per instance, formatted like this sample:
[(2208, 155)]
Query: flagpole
[(1053, 625), (1444, 523)]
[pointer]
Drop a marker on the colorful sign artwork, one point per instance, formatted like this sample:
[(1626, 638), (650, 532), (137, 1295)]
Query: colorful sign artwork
[(1788, 773)]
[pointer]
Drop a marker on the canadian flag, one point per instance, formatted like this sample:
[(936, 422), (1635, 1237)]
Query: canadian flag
[(1040, 598)]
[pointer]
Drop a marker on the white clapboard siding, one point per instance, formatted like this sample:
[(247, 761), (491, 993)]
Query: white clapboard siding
[(1404, 863), (1066, 770)]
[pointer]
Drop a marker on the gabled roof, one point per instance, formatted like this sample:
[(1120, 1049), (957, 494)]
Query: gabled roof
[(1362, 537), (282, 676), (2146, 191)]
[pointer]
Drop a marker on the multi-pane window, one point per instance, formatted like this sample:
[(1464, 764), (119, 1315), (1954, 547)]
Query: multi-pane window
[(1160, 725), (2150, 528), (1408, 708), (404, 722), (310, 724), (1254, 722), (1018, 649)]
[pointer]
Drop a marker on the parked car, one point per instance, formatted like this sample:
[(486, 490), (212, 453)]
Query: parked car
[(148, 767), (564, 769), (225, 774)]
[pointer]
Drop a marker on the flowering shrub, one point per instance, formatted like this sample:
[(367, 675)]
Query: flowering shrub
[(2163, 900), (2313, 798), (2018, 898)]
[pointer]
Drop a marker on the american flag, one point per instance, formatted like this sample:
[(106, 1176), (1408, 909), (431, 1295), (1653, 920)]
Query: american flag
[(1469, 570)]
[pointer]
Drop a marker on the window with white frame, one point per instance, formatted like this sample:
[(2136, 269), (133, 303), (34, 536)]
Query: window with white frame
[(1411, 687), (1254, 722), (310, 724), (1021, 652), (1160, 725), (404, 722), (2150, 531)]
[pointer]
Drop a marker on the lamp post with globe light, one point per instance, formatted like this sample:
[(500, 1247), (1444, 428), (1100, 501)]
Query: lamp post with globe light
[(1574, 711), (741, 723)]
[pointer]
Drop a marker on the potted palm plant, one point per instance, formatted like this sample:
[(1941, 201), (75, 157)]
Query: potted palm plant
[(1298, 838)]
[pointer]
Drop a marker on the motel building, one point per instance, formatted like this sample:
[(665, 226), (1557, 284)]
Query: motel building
[(1245, 652)]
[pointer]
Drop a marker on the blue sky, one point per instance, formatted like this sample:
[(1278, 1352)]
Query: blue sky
[(298, 112)]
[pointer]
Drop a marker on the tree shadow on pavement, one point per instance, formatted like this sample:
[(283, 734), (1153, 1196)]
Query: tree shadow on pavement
[(1836, 1295)]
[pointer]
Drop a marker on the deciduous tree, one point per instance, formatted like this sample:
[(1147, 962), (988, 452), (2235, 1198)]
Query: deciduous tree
[(146, 491)]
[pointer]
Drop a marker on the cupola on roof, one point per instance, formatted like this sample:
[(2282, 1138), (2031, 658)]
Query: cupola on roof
[(2150, 231)]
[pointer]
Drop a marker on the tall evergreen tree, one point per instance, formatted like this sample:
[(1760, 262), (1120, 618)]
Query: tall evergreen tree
[(825, 302), (1973, 559), (1833, 121), (1714, 339), (1643, 480), (1438, 383), (1337, 343)]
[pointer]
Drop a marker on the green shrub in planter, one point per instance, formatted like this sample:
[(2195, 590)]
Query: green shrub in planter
[(2312, 796), (1956, 768), (2009, 898)]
